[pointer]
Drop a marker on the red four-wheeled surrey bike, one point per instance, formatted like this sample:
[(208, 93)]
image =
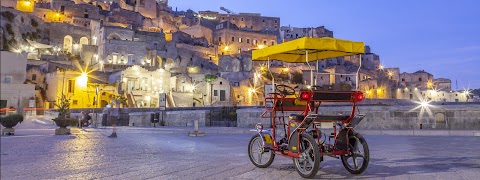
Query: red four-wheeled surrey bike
[(302, 140)]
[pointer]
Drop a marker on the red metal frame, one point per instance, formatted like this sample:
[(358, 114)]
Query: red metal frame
[(356, 96)]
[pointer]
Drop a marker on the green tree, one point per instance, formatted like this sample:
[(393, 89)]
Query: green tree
[(297, 77)]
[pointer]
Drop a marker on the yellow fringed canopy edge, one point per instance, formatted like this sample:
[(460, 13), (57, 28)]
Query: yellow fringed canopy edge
[(318, 48)]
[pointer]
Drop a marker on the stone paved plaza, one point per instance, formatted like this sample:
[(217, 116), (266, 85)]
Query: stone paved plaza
[(35, 153)]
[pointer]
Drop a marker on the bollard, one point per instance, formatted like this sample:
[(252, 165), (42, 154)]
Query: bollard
[(196, 132), (195, 124)]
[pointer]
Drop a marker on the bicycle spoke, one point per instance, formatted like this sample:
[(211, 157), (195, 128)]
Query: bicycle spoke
[(355, 163), (305, 165), (310, 160)]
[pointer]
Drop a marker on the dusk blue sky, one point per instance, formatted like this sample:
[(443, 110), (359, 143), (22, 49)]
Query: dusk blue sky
[(440, 37)]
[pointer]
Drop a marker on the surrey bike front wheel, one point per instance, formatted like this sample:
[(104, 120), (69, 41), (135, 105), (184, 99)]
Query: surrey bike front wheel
[(257, 153)]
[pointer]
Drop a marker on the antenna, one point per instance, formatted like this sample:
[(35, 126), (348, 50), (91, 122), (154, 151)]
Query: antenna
[(456, 83)]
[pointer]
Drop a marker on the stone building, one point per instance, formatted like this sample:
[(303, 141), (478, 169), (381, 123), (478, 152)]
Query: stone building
[(416, 94), (14, 92), (288, 33), (221, 92), (420, 79), (252, 21), (233, 40), (321, 78), (123, 46), (142, 87), (341, 74), (442, 84), (79, 88)]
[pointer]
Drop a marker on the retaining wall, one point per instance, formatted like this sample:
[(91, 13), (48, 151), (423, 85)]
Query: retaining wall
[(449, 117)]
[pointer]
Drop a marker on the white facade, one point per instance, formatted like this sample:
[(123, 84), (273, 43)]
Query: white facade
[(145, 86), (13, 74)]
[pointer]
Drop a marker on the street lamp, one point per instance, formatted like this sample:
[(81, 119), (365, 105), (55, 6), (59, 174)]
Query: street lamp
[(82, 80)]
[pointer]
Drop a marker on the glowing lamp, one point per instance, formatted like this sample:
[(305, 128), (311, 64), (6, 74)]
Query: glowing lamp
[(359, 96), (305, 95)]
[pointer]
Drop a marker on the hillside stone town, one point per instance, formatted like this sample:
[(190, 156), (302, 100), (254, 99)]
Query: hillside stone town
[(136, 51)]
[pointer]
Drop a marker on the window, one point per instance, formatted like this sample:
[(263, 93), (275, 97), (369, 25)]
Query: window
[(130, 58), (183, 80), (221, 83), (254, 42), (242, 19), (8, 79), (273, 43), (251, 27), (215, 93), (219, 39), (264, 20), (233, 39), (34, 77), (239, 40), (223, 18), (403, 79), (75, 102), (265, 42), (275, 21), (419, 79), (248, 41), (236, 84), (62, 9), (222, 95), (71, 86)]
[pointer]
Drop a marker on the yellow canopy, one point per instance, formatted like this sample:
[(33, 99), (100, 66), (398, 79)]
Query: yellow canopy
[(318, 48)]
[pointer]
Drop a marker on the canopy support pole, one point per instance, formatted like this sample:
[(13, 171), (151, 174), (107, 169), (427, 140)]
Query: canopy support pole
[(273, 78), (316, 68), (357, 78), (311, 70)]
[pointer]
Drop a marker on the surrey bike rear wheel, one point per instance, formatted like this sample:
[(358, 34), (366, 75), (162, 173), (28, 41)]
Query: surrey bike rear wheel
[(257, 154), (307, 165), (357, 160)]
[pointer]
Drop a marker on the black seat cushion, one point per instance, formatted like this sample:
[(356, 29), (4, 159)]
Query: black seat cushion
[(331, 118), (296, 117)]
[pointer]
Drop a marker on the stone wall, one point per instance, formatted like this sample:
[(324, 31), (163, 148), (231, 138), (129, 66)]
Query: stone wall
[(450, 117), (169, 118)]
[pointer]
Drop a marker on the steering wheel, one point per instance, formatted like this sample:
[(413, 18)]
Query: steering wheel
[(284, 90)]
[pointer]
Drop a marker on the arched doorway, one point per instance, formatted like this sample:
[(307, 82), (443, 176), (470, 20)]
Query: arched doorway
[(113, 36), (67, 43), (83, 41)]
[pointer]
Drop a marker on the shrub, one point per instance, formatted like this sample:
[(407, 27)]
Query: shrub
[(8, 27), (33, 23), (5, 46), (12, 42), (13, 117), (8, 15), (297, 77)]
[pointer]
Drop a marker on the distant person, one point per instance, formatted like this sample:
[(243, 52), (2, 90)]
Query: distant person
[(113, 117), (105, 115), (81, 119)]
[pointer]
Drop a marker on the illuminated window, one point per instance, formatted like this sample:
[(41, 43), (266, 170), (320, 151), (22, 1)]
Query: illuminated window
[(239, 40), (71, 86)]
